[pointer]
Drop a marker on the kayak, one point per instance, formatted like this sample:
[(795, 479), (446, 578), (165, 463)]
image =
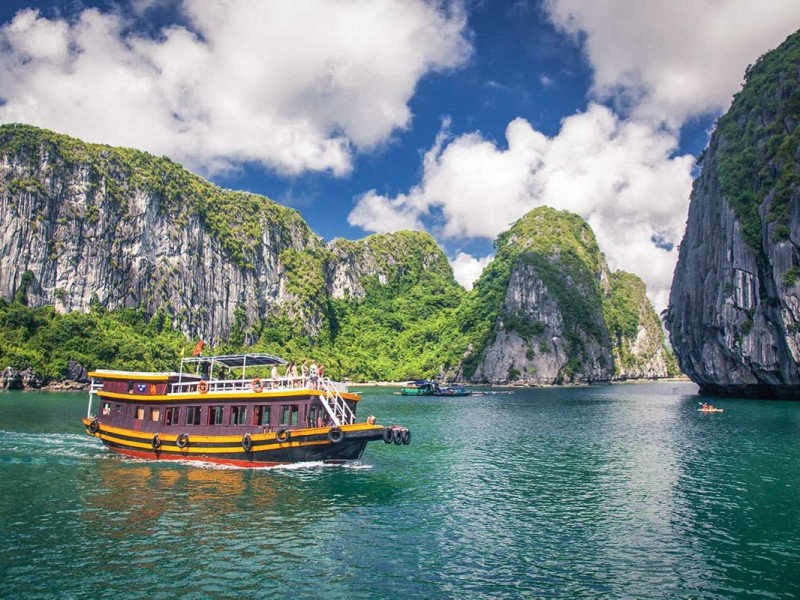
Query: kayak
[(710, 410)]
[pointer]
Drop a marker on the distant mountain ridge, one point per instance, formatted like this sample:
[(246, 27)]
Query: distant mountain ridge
[(87, 225)]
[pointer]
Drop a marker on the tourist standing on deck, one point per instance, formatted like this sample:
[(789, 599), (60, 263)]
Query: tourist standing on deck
[(288, 374), (274, 375), (294, 375), (304, 372), (312, 374)]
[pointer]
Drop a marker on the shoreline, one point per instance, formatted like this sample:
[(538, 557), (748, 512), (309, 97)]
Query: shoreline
[(381, 384)]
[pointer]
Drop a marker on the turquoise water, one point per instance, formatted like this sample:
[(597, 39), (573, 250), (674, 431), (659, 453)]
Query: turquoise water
[(601, 492)]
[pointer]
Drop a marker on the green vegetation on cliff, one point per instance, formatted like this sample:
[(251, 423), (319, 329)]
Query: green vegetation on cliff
[(757, 139), (401, 328), (561, 247), (400, 314), (236, 219)]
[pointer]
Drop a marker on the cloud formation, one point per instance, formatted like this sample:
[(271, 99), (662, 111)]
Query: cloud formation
[(295, 86), (620, 176), (669, 61), (660, 64)]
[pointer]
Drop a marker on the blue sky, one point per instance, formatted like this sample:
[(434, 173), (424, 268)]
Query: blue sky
[(453, 117)]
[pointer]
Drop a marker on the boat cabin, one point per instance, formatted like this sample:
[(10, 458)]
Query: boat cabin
[(219, 395)]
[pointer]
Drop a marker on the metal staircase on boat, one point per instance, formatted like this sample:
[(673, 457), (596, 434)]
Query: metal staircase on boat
[(338, 410)]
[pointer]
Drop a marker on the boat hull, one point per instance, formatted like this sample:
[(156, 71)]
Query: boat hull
[(265, 449)]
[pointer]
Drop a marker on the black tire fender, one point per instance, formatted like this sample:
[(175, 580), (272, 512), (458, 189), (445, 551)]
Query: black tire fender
[(156, 442), (247, 443), (335, 435), (182, 441), (283, 435), (94, 426), (406, 437), (387, 435), (397, 436)]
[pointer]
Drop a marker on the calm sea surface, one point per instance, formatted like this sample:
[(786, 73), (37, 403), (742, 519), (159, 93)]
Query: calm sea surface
[(621, 491)]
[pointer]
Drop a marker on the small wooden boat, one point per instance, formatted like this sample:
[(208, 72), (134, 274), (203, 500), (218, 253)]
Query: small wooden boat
[(244, 420), (452, 390), (420, 387)]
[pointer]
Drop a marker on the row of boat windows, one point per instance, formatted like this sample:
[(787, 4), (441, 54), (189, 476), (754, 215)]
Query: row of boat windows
[(287, 414)]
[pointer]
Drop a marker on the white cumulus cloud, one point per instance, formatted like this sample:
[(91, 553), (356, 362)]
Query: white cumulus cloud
[(620, 176), (661, 63), (467, 268), (669, 61), (295, 86)]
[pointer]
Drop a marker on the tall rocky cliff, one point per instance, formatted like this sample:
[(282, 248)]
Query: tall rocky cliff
[(131, 230), (734, 313), (87, 226), (555, 314)]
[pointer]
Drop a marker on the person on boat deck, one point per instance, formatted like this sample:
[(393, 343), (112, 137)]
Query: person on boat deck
[(297, 383), (313, 374), (320, 370), (288, 373), (204, 367), (274, 374), (304, 371)]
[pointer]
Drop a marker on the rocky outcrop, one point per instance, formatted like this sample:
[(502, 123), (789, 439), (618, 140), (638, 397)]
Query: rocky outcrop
[(557, 307), (734, 313), (637, 335), (125, 229), (384, 258)]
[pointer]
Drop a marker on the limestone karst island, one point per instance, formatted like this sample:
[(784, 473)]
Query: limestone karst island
[(399, 299)]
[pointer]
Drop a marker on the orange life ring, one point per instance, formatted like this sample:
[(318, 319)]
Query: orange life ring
[(257, 385), (202, 387)]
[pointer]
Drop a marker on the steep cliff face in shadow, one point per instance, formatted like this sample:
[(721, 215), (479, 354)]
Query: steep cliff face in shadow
[(734, 311)]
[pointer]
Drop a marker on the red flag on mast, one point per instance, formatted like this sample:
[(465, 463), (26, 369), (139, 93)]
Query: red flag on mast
[(198, 348)]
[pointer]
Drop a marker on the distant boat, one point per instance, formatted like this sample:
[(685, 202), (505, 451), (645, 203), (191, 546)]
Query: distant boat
[(708, 408), (452, 390), (420, 387)]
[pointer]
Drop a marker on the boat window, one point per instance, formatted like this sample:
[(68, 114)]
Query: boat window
[(289, 414), (140, 413), (238, 415), (172, 416), (262, 415), (215, 415), (193, 415), (155, 414), (118, 409), (106, 409), (316, 416)]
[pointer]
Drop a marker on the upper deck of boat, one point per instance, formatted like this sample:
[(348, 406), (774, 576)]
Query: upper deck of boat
[(223, 376)]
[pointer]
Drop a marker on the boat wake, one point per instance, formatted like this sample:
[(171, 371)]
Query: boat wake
[(309, 465), (18, 447)]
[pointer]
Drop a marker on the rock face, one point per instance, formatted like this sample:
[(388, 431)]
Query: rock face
[(557, 307), (88, 226), (734, 311), (126, 229)]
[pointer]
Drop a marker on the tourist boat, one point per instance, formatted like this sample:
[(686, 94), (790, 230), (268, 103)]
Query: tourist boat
[(221, 409), (421, 387), (452, 390)]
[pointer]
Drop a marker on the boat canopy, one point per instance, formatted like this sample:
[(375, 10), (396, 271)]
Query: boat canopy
[(237, 361)]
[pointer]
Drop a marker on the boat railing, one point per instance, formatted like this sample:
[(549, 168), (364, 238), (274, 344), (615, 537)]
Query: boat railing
[(336, 406), (218, 386), (94, 387)]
